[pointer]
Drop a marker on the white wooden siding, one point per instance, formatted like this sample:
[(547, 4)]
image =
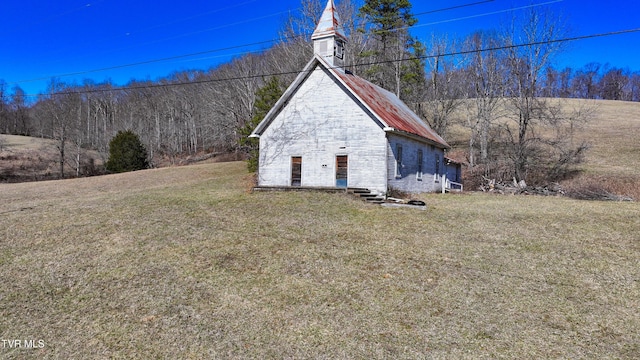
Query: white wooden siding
[(319, 123), (408, 180)]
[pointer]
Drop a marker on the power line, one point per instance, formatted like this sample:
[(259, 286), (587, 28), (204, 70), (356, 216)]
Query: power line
[(160, 40), (489, 13), (146, 62), (453, 7), (52, 17), (247, 77)]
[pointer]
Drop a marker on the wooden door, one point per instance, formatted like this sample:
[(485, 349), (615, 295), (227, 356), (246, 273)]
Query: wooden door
[(341, 171), (296, 171)]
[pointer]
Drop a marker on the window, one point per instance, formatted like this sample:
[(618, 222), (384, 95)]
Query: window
[(436, 173), (398, 161), (339, 49), (296, 171), (419, 172)]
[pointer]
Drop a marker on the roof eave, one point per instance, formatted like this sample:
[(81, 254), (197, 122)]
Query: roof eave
[(275, 110), (419, 138)]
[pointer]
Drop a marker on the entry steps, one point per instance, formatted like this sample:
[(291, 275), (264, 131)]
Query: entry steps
[(366, 195)]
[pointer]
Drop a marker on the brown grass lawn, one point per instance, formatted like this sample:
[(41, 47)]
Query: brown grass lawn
[(613, 160), (614, 135), (186, 263), (25, 158)]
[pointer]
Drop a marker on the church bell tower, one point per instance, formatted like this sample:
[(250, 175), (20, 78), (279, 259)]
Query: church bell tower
[(329, 39)]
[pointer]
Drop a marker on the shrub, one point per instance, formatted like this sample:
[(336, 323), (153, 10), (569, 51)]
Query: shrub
[(126, 153), (266, 98)]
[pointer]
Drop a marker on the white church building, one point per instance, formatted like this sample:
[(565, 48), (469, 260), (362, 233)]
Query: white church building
[(332, 129)]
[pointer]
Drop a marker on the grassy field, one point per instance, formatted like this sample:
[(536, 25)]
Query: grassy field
[(25, 158), (613, 159), (186, 263), (613, 133)]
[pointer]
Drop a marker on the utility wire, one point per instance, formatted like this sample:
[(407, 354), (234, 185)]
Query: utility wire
[(194, 33), (489, 13), (247, 77), (146, 62), (52, 17)]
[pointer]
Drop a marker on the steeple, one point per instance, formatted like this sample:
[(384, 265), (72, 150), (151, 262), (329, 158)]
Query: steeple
[(329, 38)]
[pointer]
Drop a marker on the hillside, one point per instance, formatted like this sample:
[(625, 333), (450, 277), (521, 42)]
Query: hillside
[(185, 262), (24, 158), (613, 159), (612, 162), (613, 133)]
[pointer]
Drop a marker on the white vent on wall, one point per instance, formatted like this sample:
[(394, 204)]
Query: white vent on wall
[(322, 47)]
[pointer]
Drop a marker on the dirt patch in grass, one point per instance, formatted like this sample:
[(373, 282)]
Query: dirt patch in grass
[(185, 263)]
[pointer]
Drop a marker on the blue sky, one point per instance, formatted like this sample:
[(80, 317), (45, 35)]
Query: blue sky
[(44, 39)]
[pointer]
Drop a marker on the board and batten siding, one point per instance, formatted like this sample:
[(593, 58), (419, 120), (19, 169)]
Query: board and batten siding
[(405, 177), (319, 122)]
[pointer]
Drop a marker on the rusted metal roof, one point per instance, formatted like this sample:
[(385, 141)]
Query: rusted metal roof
[(394, 115), (329, 24), (389, 108)]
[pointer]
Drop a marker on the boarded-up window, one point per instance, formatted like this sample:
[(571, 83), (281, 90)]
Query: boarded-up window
[(339, 49), (398, 161), (296, 171), (342, 170), (419, 172)]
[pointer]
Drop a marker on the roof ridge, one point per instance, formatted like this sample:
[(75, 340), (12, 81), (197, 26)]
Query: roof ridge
[(390, 110)]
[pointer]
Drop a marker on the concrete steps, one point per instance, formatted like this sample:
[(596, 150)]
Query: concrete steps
[(366, 195)]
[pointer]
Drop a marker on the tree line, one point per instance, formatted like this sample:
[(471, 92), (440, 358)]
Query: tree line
[(445, 81)]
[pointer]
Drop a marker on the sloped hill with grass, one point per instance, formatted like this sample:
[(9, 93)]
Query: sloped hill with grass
[(25, 158), (185, 262), (612, 162)]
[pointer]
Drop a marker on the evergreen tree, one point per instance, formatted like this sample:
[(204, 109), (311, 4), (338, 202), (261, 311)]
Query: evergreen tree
[(395, 55), (126, 153), (266, 98)]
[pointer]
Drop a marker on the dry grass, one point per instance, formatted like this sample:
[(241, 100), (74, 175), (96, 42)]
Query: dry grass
[(613, 134), (24, 158), (612, 163), (185, 263)]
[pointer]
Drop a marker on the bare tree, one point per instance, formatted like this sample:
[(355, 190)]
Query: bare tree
[(487, 72), (59, 108), (633, 87), (444, 93), (585, 82), (4, 111), (19, 112), (613, 83), (531, 46)]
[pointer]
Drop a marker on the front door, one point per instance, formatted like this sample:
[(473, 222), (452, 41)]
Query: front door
[(296, 171), (341, 171)]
